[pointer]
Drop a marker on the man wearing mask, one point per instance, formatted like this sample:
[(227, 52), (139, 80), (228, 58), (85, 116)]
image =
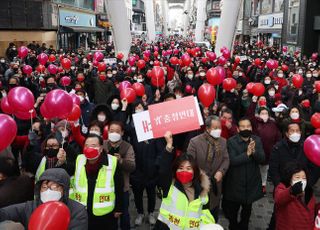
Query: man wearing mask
[(121, 149), (242, 183), (98, 184), (13, 69), (210, 151), (53, 186)]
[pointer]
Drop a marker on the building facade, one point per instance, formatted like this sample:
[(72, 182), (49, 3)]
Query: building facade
[(213, 20), (138, 17)]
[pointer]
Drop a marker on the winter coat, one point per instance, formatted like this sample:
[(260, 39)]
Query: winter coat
[(22, 212), (198, 148), (291, 212), (242, 182), (86, 110), (284, 152), (103, 90)]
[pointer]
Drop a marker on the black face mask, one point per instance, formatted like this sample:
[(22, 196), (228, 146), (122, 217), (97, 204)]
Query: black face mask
[(51, 152), (51, 86), (11, 86), (245, 133)]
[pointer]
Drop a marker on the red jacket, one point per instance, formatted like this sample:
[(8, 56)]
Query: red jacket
[(291, 213)]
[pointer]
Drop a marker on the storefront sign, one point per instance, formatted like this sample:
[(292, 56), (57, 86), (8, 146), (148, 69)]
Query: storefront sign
[(271, 21), (74, 18), (177, 116)]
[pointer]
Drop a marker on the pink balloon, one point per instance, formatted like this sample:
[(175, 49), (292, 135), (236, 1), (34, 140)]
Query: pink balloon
[(221, 71), (311, 148), (156, 48), (75, 99), (131, 60), (44, 112), (42, 58), (26, 115), (53, 69), (22, 51), (65, 81), (98, 56), (123, 85), (8, 131), (147, 53), (58, 103), (21, 99), (27, 69), (222, 60), (129, 94), (5, 106), (211, 55)]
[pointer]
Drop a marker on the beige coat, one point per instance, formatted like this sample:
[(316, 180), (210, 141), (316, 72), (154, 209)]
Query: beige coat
[(198, 148)]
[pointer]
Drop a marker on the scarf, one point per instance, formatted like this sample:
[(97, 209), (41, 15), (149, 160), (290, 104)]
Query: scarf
[(213, 146), (93, 169)]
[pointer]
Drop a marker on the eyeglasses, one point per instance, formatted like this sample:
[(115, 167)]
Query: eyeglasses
[(53, 186)]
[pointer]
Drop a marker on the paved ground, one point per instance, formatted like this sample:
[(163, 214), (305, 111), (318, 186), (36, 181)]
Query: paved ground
[(260, 217)]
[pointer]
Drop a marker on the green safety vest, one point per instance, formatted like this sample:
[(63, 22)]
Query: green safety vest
[(41, 168), (104, 195), (178, 213)]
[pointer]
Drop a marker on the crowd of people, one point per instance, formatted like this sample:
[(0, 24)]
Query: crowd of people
[(245, 141)]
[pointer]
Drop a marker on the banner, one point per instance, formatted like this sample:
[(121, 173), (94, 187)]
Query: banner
[(177, 116)]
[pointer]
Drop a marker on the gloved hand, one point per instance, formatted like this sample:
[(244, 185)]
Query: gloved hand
[(296, 189), (214, 186)]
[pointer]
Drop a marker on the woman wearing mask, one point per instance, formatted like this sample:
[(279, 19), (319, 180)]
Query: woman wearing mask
[(118, 108), (102, 113), (294, 199), (184, 191), (294, 117)]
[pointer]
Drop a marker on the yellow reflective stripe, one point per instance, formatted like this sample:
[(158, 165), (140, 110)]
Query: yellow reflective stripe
[(41, 168), (103, 205), (109, 174), (81, 161), (172, 209)]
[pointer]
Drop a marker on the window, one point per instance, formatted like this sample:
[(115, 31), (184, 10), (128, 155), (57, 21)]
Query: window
[(266, 6), (278, 6), (134, 2), (293, 20)]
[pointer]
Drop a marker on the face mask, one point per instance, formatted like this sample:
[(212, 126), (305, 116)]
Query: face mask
[(262, 103), (295, 137), (51, 85), (102, 77), (64, 134), (2, 61), (95, 132), (139, 80), (245, 133), (315, 75), (133, 69), (138, 110), (50, 195), (51, 152), (280, 75), (267, 82), (271, 93), (114, 72), (309, 75), (72, 67), (300, 72), (178, 96), (304, 183), (81, 99), (240, 74), (215, 133), (109, 75), (264, 117), (202, 74), (91, 153), (101, 118), (190, 76), (114, 137), (184, 177), (306, 104), (114, 106), (294, 116)]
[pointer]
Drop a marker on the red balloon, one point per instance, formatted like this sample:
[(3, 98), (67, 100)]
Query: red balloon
[(213, 77), (129, 94), (5, 106), (188, 89), (249, 87), (258, 89), (284, 68), (317, 86), (204, 60), (102, 67), (66, 63), (156, 53), (206, 94), (229, 84), (98, 56), (311, 148), (156, 63), (123, 85), (315, 120), (120, 56), (50, 216), (52, 58), (211, 55), (105, 132), (75, 113), (40, 68), (157, 76), (237, 60), (221, 71), (176, 51), (21, 99), (58, 103), (141, 64), (139, 89), (270, 64), (8, 131), (222, 60), (131, 60), (65, 81), (257, 61), (147, 53), (26, 115), (285, 49), (186, 60), (314, 56), (297, 80), (27, 69), (174, 61), (95, 63), (75, 99), (42, 58), (44, 112), (22, 51), (226, 54), (53, 69), (156, 48)]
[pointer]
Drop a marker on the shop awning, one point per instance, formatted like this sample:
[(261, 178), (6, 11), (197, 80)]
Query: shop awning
[(81, 29), (269, 31)]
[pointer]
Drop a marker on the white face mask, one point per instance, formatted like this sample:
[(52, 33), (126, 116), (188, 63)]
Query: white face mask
[(190, 76), (267, 82), (240, 74), (271, 93), (295, 137), (101, 118), (294, 116), (50, 195), (64, 133), (309, 75), (114, 106), (215, 133), (178, 96), (300, 72), (138, 110), (81, 98), (315, 75), (95, 132), (109, 75), (114, 137), (114, 72), (280, 74), (264, 117), (304, 183), (139, 80), (202, 74), (276, 86)]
